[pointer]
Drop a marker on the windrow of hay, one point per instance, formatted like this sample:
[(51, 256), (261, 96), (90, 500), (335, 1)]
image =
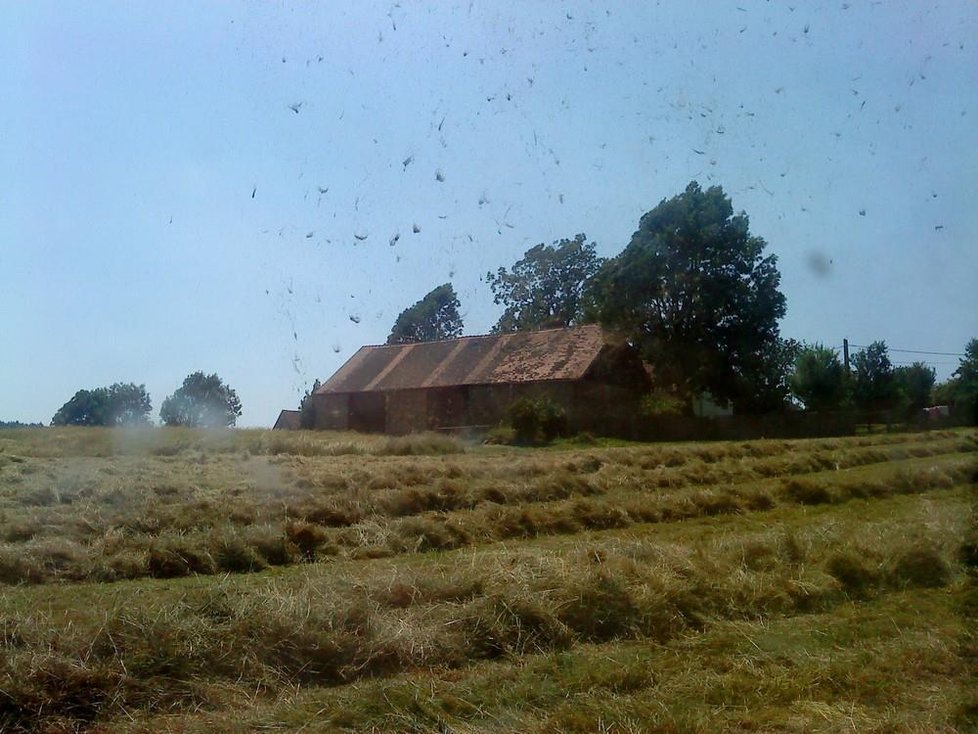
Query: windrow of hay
[(128, 516), (177, 646)]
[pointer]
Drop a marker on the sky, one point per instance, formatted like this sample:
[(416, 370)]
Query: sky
[(256, 189)]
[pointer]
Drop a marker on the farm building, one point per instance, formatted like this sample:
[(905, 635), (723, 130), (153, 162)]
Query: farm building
[(288, 420), (471, 381)]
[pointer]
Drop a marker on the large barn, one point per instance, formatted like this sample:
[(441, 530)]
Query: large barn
[(470, 382)]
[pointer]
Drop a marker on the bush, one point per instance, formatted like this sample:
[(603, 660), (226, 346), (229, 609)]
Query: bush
[(539, 420), (662, 403)]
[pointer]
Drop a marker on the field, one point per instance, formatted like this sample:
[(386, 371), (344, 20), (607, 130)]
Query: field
[(171, 580)]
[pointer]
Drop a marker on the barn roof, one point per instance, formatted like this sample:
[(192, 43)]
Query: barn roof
[(288, 420), (526, 356)]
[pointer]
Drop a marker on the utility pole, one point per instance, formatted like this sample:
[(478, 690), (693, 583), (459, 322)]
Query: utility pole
[(845, 354)]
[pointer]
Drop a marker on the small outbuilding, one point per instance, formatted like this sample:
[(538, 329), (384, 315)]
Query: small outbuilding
[(470, 382), (288, 420)]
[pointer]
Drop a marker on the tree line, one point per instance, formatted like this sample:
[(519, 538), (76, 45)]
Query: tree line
[(201, 401), (695, 293)]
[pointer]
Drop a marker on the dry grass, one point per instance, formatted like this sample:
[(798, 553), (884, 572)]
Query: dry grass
[(554, 590)]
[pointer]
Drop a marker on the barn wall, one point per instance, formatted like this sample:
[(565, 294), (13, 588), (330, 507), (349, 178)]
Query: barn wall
[(406, 411), (368, 412), (590, 406), (607, 410), (331, 412)]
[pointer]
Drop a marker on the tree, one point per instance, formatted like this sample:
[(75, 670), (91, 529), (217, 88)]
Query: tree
[(119, 404), (432, 318), (307, 409), (915, 383), (874, 385), (86, 408), (695, 293), (819, 379), (966, 383), (545, 287), (202, 400)]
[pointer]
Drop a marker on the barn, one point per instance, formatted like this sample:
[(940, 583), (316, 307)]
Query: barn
[(288, 420), (469, 382)]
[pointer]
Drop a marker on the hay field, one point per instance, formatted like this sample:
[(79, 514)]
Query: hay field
[(172, 580)]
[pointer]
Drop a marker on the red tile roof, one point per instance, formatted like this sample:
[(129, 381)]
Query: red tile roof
[(526, 356)]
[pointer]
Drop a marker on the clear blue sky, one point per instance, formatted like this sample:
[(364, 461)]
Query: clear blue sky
[(164, 208)]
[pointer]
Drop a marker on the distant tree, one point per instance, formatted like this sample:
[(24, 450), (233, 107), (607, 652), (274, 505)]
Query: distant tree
[(694, 291), (130, 404), (20, 424), (119, 404), (819, 379), (544, 288), (944, 393), (966, 383), (915, 384), (432, 318), (86, 408), (202, 401), (307, 412), (874, 384)]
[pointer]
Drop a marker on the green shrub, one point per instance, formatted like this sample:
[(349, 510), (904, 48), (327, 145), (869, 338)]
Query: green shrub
[(662, 403), (538, 420)]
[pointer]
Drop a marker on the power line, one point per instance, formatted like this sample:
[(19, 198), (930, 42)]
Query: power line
[(923, 361), (912, 351)]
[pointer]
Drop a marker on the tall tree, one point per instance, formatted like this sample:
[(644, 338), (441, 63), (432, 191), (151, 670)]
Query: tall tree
[(874, 385), (694, 291), (432, 318), (915, 383), (119, 404), (819, 379), (544, 288), (966, 383), (86, 408), (202, 401)]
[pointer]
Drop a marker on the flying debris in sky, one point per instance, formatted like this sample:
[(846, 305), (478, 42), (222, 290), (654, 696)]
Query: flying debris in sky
[(355, 318), (298, 105), (407, 161), (360, 236), (439, 176), (394, 239), (416, 228), (253, 191)]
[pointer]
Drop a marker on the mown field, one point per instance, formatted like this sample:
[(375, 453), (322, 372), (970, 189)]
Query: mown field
[(171, 580)]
